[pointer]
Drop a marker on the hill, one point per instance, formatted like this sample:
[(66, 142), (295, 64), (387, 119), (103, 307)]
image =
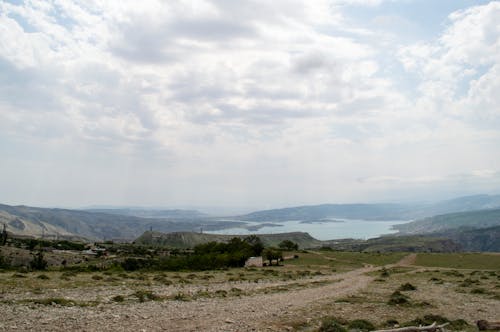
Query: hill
[(452, 221), (477, 240), (64, 223), (375, 211), (184, 240), (152, 213)]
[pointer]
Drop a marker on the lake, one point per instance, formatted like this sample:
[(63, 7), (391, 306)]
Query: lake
[(327, 230)]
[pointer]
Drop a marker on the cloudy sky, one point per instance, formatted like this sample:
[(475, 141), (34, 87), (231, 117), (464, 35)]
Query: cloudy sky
[(248, 103)]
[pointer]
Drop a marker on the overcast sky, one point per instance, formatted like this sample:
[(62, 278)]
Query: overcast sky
[(248, 103)]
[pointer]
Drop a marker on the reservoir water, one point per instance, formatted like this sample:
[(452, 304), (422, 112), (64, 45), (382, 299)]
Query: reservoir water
[(325, 230)]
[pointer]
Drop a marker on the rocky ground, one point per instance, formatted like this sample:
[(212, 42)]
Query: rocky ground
[(245, 305)]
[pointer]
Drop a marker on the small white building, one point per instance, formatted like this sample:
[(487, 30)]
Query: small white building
[(254, 261)]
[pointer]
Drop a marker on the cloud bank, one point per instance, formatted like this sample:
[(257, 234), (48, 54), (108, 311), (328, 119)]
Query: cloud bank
[(252, 103)]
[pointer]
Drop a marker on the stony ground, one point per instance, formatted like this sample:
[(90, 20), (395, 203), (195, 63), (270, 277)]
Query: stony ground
[(247, 305)]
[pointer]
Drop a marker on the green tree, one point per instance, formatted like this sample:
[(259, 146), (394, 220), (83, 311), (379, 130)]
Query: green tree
[(3, 236), (288, 245), (256, 243), (38, 262), (272, 254)]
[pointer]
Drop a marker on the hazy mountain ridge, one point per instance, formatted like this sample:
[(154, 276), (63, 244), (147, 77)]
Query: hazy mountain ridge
[(125, 223), (93, 225), (375, 211), (452, 221), (151, 213)]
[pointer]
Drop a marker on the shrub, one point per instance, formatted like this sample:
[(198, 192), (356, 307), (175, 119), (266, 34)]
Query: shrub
[(330, 324), (181, 297), (398, 298), (407, 287), (361, 325), (478, 291), (118, 298), (143, 296)]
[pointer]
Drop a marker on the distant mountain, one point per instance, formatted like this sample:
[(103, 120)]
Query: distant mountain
[(64, 223), (315, 212), (460, 204), (129, 223), (152, 213), (452, 221), (183, 240), (374, 211)]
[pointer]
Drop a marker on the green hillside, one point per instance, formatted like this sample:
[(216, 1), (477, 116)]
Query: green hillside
[(184, 240)]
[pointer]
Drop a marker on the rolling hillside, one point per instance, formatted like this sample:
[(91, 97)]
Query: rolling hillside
[(64, 223), (184, 240), (375, 211), (452, 221)]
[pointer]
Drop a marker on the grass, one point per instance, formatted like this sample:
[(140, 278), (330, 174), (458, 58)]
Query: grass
[(360, 258), (460, 261)]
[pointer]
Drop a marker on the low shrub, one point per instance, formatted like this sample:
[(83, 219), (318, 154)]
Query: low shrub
[(361, 325), (331, 324), (118, 298), (143, 296), (398, 298), (407, 287)]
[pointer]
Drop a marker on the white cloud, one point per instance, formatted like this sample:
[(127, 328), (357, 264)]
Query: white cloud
[(282, 101)]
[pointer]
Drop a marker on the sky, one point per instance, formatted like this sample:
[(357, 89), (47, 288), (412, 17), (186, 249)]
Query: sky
[(251, 104)]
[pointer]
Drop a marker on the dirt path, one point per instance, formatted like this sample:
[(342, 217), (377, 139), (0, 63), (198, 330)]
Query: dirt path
[(246, 313), (408, 260)]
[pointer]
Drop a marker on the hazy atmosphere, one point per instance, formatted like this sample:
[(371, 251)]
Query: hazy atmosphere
[(248, 104)]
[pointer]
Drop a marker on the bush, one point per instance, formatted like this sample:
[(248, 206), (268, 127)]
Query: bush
[(118, 298), (143, 296), (398, 298), (38, 262), (330, 324), (361, 325), (407, 287)]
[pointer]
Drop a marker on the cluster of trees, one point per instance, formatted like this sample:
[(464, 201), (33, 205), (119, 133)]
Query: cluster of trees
[(208, 256)]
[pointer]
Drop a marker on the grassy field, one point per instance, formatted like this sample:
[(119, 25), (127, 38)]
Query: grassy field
[(460, 260)]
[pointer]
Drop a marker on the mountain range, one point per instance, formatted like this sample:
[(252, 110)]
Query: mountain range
[(472, 212)]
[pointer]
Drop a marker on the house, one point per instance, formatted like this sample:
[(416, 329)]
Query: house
[(254, 261)]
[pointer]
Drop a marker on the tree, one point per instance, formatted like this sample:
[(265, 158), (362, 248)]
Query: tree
[(256, 243), (38, 262), (288, 245), (3, 237), (272, 254)]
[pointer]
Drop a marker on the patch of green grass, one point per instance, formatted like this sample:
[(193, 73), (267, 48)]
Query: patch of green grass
[(460, 260)]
